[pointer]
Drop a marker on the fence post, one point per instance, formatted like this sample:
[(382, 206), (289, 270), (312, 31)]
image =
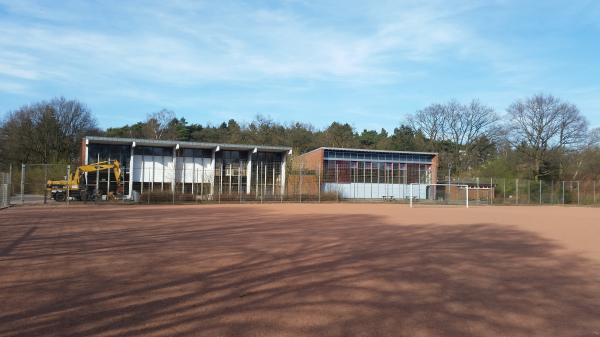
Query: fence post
[(517, 191), (22, 184), (45, 182), (10, 184), (240, 180), (337, 187), (503, 191), (301, 172), (578, 194), (477, 192), (123, 184), (563, 192), (319, 181), (594, 186), (493, 191), (540, 201), (264, 188), (528, 191), (68, 184)]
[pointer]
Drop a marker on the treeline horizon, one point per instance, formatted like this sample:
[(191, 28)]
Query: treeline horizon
[(540, 137)]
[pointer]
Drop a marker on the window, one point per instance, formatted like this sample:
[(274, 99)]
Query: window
[(196, 153), (268, 157), (109, 151), (152, 151)]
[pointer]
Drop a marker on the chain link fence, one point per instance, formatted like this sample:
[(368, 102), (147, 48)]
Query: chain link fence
[(4, 189), (204, 181), (514, 191)]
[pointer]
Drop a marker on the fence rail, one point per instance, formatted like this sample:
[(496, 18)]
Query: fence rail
[(251, 182)]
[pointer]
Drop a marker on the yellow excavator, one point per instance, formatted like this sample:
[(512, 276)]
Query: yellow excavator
[(77, 188)]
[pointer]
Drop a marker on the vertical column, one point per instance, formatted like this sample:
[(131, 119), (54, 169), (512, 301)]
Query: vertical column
[(202, 180), (98, 194), (249, 172), (85, 160), (212, 167), (130, 171), (162, 181), (108, 179), (183, 175), (230, 177), (174, 180), (194, 181), (283, 174), (143, 173), (153, 173), (256, 187)]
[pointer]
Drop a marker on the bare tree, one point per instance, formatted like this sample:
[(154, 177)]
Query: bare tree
[(431, 121), (159, 125), (542, 125), (462, 131), (467, 125), (595, 138)]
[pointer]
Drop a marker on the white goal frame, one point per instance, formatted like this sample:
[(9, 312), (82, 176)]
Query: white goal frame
[(459, 186)]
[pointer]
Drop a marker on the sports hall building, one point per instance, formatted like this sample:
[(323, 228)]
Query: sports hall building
[(372, 174), (188, 167)]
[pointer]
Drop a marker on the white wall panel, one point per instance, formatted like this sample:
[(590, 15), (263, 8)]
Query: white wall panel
[(376, 191)]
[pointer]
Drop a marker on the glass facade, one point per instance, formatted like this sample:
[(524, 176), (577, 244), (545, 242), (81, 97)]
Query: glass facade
[(373, 156), (109, 151), (196, 170), (358, 174), (345, 172), (230, 171), (266, 173), (106, 180)]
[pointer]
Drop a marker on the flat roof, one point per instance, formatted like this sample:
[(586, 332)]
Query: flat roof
[(369, 150), (185, 144)]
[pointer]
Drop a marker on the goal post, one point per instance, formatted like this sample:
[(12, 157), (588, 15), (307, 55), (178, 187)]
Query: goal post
[(439, 194)]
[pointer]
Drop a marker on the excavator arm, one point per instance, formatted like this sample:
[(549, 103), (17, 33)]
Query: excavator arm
[(100, 166), (74, 180)]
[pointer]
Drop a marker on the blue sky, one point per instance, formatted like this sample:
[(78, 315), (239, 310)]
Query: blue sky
[(366, 62)]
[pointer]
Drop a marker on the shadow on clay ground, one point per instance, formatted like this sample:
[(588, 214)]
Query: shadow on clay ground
[(153, 273)]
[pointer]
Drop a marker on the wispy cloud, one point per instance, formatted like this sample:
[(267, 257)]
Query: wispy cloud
[(281, 55), (186, 43), (7, 86)]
